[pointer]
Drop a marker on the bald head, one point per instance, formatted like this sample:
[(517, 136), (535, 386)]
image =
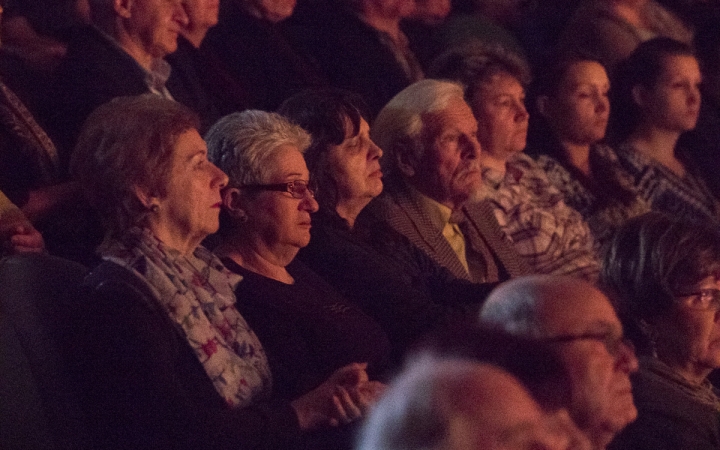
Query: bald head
[(458, 404), (581, 322)]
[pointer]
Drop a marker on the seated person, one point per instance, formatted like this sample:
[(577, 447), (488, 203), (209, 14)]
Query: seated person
[(656, 98), (308, 330), (433, 176), (568, 132), (165, 359), (362, 257), (550, 235), (579, 320), (665, 274)]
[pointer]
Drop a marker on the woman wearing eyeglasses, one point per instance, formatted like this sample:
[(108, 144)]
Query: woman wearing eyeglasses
[(307, 329), (666, 275)]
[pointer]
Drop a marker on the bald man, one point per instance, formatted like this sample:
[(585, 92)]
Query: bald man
[(457, 404), (580, 320)]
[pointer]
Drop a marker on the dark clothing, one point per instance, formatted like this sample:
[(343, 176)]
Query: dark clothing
[(307, 329), (254, 64), (186, 83), (390, 279), (668, 419), (353, 56), (94, 71), (144, 387)]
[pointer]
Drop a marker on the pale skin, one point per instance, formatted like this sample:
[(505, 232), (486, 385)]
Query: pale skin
[(669, 108), (202, 15), (385, 15), (579, 111)]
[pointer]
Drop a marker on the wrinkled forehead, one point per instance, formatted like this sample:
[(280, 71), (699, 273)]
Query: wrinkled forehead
[(575, 309)]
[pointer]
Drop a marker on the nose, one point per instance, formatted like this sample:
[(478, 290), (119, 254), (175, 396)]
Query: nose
[(522, 114), (694, 96), (602, 104), (375, 151), (219, 178), (179, 15), (471, 147), (626, 359), (308, 203)]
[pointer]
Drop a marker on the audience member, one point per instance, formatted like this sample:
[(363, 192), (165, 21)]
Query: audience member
[(165, 359), (361, 47), (190, 67), (255, 63), (612, 29), (656, 99), (120, 54), (433, 170), (551, 236), (423, 27), (364, 258), (568, 131), (308, 330), (581, 322), (666, 274), (460, 404)]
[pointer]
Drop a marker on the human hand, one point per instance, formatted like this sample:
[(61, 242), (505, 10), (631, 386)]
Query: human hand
[(25, 238)]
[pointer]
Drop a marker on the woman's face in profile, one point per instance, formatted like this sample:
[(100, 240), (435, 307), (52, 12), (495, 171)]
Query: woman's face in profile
[(355, 165), (690, 334), (580, 110), (673, 103)]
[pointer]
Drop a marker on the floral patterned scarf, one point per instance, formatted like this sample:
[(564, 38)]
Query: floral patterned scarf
[(196, 291)]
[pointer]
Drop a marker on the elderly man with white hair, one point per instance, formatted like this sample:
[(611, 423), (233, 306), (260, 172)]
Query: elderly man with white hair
[(432, 173), (580, 320)]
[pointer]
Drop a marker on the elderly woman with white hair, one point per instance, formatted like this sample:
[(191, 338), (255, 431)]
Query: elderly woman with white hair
[(308, 329)]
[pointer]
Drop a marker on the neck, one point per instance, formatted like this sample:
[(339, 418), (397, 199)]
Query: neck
[(349, 209), (374, 18), (692, 373), (132, 48), (195, 35), (656, 143), (578, 155), (181, 242), (259, 258)]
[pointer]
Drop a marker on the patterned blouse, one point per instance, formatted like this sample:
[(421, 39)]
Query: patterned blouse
[(602, 211), (687, 197), (549, 234)]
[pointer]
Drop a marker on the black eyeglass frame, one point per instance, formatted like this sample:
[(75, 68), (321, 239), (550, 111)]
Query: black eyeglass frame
[(611, 343), (714, 303), (289, 187)]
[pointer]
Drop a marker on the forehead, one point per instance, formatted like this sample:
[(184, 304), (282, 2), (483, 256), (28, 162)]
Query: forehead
[(286, 161), (456, 115), (188, 143), (679, 65), (576, 309), (584, 72), (499, 84)]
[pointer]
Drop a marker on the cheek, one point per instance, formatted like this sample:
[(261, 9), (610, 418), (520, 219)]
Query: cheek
[(700, 337)]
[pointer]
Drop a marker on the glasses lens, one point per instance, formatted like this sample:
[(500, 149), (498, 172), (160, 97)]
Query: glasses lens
[(299, 189)]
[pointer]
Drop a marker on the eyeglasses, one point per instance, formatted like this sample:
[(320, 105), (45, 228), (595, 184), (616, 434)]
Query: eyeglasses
[(298, 189), (704, 299), (612, 342)]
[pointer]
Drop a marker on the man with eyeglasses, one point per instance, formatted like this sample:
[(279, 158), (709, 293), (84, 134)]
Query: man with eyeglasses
[(580, 321)]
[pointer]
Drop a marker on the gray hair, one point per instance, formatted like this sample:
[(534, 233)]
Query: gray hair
[(241, 144), (416, 409), (513, 306), (398, 128)]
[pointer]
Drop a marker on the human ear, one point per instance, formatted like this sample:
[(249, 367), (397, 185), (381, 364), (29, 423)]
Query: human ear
[(233, 204), (404, 161), (638, 95), (143, 195)]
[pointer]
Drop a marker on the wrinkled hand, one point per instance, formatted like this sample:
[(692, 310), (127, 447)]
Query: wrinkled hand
[(342, 398)]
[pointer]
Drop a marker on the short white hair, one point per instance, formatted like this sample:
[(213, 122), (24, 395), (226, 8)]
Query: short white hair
[(399, 126)]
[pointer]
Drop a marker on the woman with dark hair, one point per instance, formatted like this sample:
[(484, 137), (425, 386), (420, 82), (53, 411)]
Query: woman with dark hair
[(665, 274), (165, 359), (568, 131), (657, 98), (366, 260)]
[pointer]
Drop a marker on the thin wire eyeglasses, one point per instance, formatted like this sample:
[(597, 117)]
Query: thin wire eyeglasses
[(703, 299), (298, 189), (612, 342)]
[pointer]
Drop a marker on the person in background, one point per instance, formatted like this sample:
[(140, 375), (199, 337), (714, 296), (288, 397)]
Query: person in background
[(552, 237), (308, 330), (581, 323), (656, 99), (365, 259), (665, 274), (16, 232), (432, 167), (573, 109), (165, 359)]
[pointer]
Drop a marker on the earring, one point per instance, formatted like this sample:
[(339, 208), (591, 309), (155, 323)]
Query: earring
[(154, 208), (242, 217)]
